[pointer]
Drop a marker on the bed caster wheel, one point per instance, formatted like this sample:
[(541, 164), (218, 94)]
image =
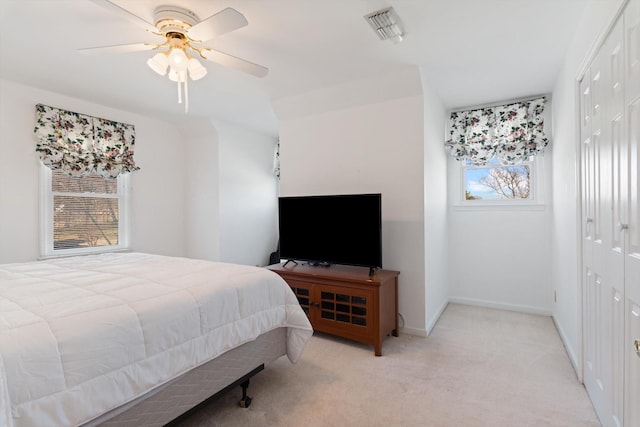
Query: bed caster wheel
[(245, 402)]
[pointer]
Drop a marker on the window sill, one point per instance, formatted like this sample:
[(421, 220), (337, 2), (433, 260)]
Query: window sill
[(72, 253), (497, 206)]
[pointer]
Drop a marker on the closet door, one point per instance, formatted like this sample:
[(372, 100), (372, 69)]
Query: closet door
[(614, 192), (603, 242), (630, 221), (610, 135), (589, 240)]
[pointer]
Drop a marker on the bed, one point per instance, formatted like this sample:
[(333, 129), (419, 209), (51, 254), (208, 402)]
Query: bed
[(133, 338)]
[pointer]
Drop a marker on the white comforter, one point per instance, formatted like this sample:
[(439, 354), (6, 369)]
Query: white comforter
[(80, 336)]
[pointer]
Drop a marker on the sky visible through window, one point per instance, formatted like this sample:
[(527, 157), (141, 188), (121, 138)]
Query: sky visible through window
[(494, 182), (475, 187)]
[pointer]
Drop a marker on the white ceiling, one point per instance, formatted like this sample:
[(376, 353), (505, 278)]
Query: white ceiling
[(471, 51)]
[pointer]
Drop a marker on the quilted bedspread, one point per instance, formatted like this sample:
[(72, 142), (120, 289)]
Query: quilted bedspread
[(80, 336)]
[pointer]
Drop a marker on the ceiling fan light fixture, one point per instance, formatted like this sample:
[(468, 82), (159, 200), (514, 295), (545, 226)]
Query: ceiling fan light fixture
[(159, 63), (173, 75), (181, 67), (183, 34), (177, 59), (196, 69)]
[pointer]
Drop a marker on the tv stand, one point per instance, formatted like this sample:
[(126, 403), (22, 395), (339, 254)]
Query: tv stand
[(346, 301)]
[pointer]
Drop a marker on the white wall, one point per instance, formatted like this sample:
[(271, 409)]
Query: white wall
[(499, 255), (366, 137), (500, 258), (435, 207), (202, 193), (158, 218), (205, 189), (565, 251), (248, 190)]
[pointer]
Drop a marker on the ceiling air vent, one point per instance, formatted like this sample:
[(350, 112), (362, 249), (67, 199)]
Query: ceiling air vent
[(386, 24)]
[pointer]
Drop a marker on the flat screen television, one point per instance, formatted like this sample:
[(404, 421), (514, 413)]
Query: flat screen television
[(332, 229)]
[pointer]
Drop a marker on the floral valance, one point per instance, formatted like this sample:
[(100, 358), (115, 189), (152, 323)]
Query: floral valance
[(276, 160), (79, 144), (512, 133)]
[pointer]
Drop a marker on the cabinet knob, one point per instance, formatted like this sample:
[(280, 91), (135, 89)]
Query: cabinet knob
[(637, 346), (622, 226)]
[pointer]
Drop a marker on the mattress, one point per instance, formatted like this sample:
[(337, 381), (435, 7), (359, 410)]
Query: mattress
[(81, 336)]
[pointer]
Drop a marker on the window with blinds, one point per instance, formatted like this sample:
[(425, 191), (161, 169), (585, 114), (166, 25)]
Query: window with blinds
[(83, 215)]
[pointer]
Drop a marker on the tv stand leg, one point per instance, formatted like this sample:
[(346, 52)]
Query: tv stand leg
[(378, 348)]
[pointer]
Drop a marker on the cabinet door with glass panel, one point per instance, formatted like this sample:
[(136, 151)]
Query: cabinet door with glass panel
[(343, 308), (335, 309)]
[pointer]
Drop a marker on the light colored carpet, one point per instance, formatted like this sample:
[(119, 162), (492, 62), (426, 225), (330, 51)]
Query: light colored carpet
[(479, 367)]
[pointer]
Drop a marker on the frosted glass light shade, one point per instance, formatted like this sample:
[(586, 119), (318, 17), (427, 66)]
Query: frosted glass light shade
[(159, 63), (180, 66), (178, 59), (196, 70), (177, 76)]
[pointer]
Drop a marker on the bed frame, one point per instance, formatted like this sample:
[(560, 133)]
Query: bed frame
[(177, 397)]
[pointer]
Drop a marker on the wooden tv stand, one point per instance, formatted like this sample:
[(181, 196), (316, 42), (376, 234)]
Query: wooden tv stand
[(346, 301)]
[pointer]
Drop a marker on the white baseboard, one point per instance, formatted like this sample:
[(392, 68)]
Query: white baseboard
[(570, 352), (488, 304), (425, 332), (413, 331), (501, 306), (435, 319)]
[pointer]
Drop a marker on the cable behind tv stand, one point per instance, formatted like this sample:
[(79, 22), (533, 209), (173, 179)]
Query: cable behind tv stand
[(288, 261)]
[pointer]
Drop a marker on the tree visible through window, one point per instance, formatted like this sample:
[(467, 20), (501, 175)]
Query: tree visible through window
[(85, 211), (496, 182), (496, 147), (85, 214), (86, 161)]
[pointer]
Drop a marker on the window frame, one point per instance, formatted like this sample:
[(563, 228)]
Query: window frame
[(46, 219), (536, 166)]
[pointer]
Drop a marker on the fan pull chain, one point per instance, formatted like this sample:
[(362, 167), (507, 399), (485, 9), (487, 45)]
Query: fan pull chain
[(186, 94), (183, 81)]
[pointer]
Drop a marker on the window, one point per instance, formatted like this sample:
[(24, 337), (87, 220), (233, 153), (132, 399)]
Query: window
[(83, 215), (496, 147), (495, 182), (86, 161)]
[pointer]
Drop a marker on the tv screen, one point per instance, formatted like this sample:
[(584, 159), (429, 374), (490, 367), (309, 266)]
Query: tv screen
[(333, 229)]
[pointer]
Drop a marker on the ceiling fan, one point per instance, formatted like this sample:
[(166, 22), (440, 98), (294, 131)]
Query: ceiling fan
[(183, 34)]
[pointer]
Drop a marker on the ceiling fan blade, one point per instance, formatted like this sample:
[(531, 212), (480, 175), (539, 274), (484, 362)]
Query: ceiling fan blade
[(235, 62), (120, 48), (106, 4), (222, 22)]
